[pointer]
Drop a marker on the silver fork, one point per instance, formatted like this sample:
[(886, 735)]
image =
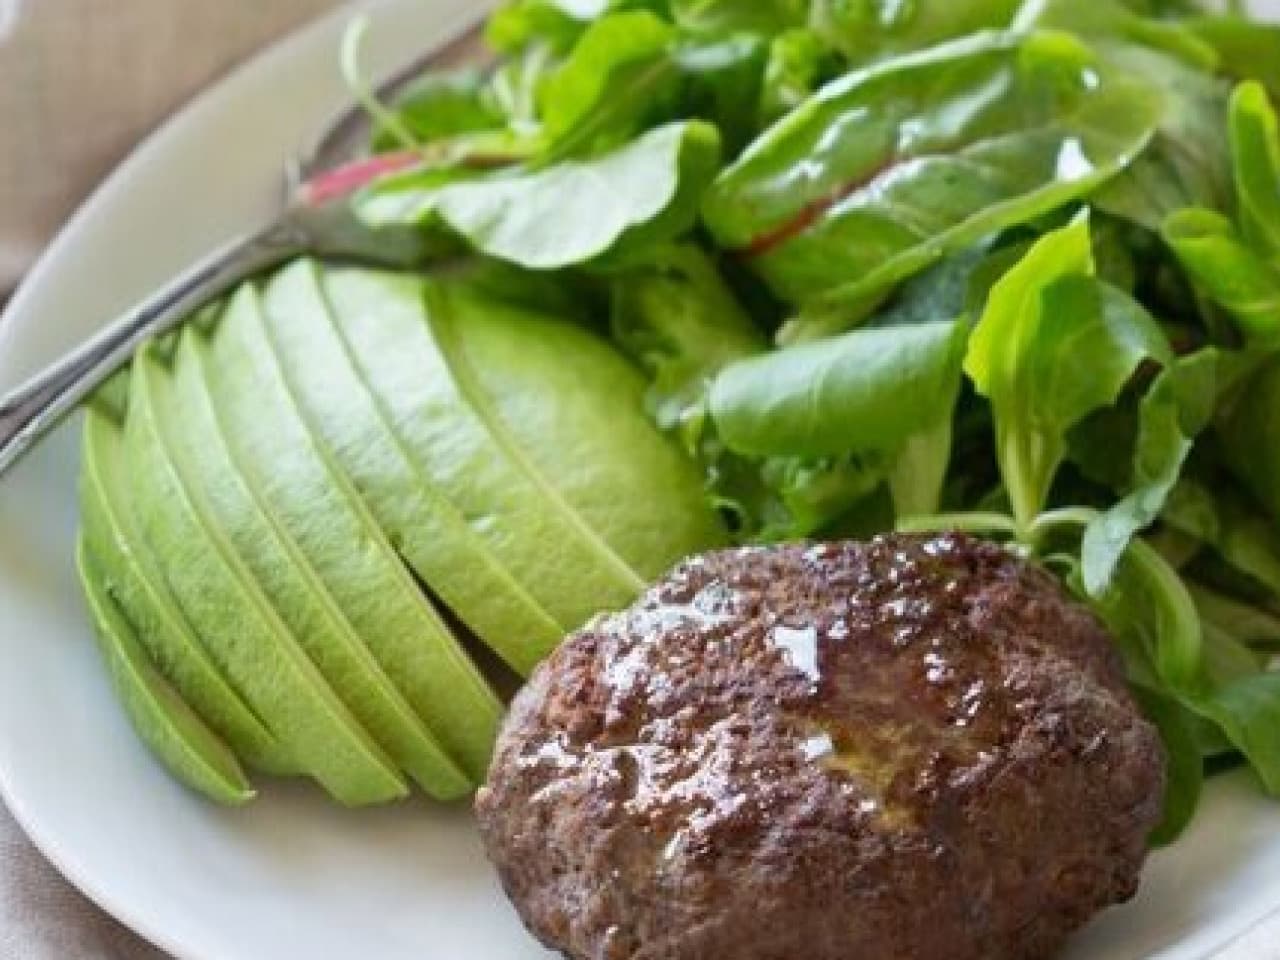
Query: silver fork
[(305, 226)]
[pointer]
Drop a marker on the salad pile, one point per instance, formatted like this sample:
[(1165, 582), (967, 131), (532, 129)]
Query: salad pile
[(1011, 267)]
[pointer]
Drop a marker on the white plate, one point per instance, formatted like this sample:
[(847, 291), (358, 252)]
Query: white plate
[(293, 876)]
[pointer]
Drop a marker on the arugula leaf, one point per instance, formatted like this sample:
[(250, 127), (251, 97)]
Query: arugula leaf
[(1255, 145), (1229, 271), (1053, 345), (1178, 407), (887, 170), (643, 194), (867, 391), (722, 83)]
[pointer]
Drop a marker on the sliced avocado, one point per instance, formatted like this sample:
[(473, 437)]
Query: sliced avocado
[(227, 607), (190, 750), (281, 570), (346, 556), (384, 324), (128, 568), (539, 383), (460, 556)]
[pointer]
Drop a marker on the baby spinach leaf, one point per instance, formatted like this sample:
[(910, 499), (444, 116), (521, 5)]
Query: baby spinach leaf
[(891, 168), (874, 29), (813, 494), (1053, 345), (869, 390), (1188, 162), (557, 24), (608, 84), (1230, 272), (644, 193), (1255, 146), (1149, 605)]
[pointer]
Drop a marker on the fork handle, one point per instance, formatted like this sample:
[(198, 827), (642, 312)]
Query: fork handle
[(40, 404)]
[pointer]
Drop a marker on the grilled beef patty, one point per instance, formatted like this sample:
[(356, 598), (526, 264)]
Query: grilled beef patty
[(913, 748)]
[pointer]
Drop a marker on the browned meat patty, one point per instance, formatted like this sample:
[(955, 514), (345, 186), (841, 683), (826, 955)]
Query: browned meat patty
[(915, 748)]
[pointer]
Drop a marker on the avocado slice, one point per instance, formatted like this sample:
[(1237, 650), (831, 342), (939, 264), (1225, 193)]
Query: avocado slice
[(404, 335), (228, 608), (462, 557), (313, 504), (384, 321), (110, 534), (190, 750), (560, 397), (285, 574)]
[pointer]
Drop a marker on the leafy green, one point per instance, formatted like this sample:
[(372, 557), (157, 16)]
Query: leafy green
[(679, 320), (867, 391), (723, 17), (1250, 434), (1255, 145), (1173, 413), (644, 193), (1247, 49), (866, 30), (1233, 274), (934, 151), (581, 102), (1052, 346), (796, 66), (441, 105)]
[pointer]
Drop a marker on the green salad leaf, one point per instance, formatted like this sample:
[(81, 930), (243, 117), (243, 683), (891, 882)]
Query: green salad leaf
[(643, 193), (1234, 275), (1054, 345), (869, 390), (608, 84), (1255, 144), (887, 170)]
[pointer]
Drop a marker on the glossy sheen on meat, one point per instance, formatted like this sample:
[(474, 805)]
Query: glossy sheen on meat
[(915, 748)]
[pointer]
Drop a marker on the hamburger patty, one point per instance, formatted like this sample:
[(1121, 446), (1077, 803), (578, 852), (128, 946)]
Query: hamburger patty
[(914, 748)]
